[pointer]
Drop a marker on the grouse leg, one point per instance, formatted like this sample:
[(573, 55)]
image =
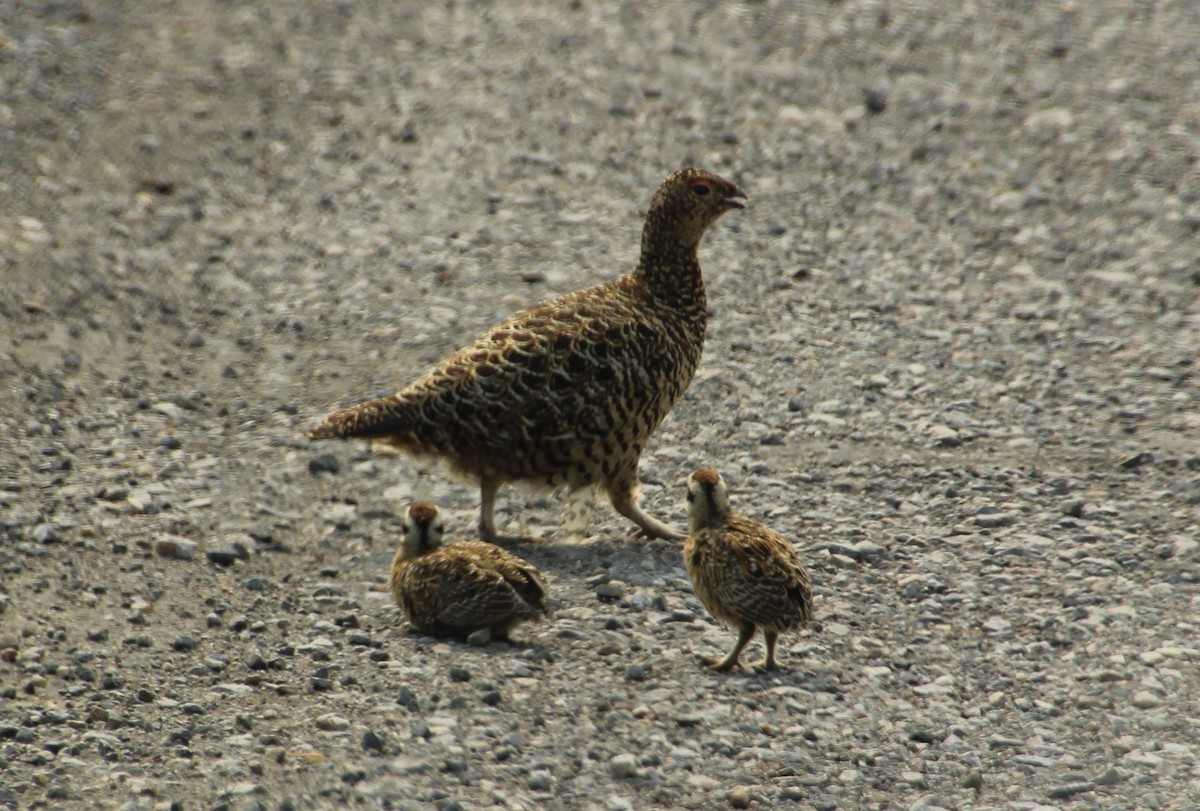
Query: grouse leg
[(488, 487), (625, 503)]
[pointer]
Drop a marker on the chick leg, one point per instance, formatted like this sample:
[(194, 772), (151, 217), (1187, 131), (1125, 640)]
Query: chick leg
[(731, 661), (769, 663)]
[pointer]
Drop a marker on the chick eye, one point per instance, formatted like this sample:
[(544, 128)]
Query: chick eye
[(700, 189)]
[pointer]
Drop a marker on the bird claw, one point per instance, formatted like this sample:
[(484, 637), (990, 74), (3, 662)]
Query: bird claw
[(719, 665), (512, 540), (641, 534)]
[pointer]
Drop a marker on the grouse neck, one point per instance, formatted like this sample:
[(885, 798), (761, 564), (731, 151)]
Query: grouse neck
[(671, 270)]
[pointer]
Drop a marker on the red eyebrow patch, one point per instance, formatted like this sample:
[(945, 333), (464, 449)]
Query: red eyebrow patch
[(708, 478), (422, 512)]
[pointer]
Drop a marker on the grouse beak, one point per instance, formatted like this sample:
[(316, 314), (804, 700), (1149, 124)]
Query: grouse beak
[(732, 199)]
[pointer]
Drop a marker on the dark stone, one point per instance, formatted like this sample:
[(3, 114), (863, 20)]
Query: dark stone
[(926, 736), (874, 100), (408, 700), (324, 463), (225, 556), (1138, 460), (372, 742)]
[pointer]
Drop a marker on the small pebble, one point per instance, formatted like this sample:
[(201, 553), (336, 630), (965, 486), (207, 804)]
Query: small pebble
[(926, 736), (224, 556), (1069, 790), (995, 520), (324, 463), (371, 742), (47, 533), (874, 100), (173, 547), (623, 766), (610, 591), (1145, 700), (256, 583)]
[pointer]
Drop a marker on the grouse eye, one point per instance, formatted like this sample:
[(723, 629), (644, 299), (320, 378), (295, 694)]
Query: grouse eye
[(700, 188)]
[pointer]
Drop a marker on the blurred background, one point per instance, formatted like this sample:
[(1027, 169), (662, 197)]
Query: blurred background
[(177, 145)]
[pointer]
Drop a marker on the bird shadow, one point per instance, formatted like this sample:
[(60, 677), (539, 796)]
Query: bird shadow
[(528, 649)]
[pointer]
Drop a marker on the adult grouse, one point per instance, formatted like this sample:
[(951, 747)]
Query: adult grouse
[(569, 391)]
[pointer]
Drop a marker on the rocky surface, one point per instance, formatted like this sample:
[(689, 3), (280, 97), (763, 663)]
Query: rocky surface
[(952, 355)]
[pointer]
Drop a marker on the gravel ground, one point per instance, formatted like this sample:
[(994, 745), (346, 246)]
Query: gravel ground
[(952, 355)]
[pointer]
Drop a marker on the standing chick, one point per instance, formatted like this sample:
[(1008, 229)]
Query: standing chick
[(746, 575), (568, 392), (467, 588)]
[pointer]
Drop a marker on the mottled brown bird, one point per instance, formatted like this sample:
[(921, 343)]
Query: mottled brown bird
[(569, 391), (467, 588), (745, 574)]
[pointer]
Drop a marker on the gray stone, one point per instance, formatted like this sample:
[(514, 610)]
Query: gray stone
[(623, 766), (1070, 790), (324, 463), (613, 590), (174, 547)]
